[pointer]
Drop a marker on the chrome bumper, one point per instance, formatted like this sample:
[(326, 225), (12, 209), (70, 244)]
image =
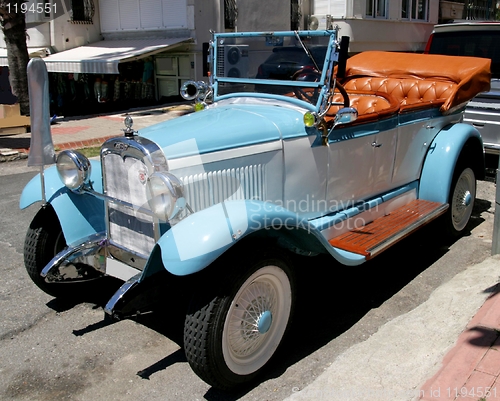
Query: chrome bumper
[(81, 262)]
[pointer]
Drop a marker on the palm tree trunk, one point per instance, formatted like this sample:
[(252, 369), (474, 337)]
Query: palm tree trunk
[(14, 29)]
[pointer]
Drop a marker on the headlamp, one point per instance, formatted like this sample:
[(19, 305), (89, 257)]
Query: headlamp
[(165, 195), (74, 169)]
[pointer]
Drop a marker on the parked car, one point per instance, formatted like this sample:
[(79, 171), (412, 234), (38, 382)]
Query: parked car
[(476, 39), (213, 205)]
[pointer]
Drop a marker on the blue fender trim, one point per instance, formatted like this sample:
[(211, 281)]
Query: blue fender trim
[(80, 215), (195, 242), (439, 164)]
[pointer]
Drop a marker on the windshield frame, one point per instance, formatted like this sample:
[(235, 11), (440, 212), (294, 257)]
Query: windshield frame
[(322, 86)]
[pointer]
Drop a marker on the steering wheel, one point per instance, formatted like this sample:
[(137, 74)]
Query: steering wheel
[(307, 74)]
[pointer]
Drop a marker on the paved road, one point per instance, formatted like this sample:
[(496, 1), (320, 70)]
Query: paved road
[(50, 350)]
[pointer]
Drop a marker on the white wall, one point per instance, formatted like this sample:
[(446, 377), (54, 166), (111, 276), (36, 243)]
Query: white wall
[(263, 15), (391, 33), (59, 33)]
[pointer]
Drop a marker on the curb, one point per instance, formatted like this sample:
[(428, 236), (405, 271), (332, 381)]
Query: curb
[(8, 155)]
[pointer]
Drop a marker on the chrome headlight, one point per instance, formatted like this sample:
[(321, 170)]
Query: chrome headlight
[(74, 169), (165, 195)]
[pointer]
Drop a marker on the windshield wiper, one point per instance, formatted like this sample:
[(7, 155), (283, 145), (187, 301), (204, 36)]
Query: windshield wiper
[(307, 51)]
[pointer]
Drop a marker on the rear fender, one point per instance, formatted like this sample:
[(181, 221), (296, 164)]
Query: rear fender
[(80, 216), (442, 157)]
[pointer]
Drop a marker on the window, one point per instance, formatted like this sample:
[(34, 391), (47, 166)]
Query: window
[(82, 11), (376, 8), (230, 13), (415, 9)]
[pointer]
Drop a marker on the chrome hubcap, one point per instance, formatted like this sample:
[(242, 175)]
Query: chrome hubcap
[(265, 321), (462, 201)]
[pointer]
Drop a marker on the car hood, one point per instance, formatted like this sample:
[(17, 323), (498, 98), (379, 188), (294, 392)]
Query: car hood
[(225, 127)]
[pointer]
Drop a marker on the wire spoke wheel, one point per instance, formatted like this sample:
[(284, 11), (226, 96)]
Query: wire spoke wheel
[(234, 327), (256, 320)]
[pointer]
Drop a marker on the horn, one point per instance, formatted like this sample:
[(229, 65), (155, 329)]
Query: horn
[(194, 89)]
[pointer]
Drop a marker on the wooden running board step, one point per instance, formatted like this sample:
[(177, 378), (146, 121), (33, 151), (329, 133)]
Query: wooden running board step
[(385, 231)]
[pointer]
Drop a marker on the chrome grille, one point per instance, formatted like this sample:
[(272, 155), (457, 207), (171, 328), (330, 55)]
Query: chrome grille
[(129, 227), (207, 189)]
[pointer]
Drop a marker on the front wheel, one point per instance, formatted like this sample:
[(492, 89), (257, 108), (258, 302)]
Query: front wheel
[(230, 337), (44, 239), (461, 200)]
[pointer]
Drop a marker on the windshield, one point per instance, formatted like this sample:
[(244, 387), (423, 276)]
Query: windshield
[(279, 63)]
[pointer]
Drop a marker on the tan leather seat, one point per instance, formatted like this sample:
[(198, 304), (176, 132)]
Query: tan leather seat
[(370, 105), (410, 93)]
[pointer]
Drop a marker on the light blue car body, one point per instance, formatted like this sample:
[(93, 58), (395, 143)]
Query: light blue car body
[(219, 227), (265, 132)]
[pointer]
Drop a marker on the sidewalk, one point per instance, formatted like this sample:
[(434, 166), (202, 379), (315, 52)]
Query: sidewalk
[(85, 131), (471, 368), (448, 348), (416, 356)]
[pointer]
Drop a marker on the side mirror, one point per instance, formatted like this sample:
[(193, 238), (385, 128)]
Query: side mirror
[(345, 115)]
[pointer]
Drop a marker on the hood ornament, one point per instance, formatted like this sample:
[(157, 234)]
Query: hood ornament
[(128, 130)]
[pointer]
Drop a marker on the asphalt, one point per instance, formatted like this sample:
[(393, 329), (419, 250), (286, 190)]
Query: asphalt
[(448, 348)]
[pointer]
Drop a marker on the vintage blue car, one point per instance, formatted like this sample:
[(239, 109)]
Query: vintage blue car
[(345, 158)]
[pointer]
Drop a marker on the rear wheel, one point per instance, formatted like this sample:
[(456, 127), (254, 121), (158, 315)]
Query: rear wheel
[(461, 199), (231, 335)]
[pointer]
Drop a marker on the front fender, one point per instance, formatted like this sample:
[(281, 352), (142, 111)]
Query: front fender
[(442, 157), (195, 242), (80, 216)]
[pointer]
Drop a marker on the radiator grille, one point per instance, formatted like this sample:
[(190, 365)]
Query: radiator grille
[(128, 227), (207, 189), (133, 229)]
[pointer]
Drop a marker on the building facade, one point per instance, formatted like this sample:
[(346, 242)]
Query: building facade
[(117, 53)]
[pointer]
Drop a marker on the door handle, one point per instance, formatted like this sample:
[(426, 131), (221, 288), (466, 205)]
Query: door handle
[(375, 144)]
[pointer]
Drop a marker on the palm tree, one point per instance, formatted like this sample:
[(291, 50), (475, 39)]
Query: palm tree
[(13, 24)]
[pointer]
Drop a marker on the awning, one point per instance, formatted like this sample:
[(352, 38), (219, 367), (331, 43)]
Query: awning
[(32, 52), (103, 57)]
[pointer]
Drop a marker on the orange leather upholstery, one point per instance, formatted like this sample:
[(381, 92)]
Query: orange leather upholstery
[(409, 93), (419, 80), (370, 105)]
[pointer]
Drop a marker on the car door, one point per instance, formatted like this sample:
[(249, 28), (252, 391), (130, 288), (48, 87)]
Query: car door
[(360, 163), (414, 139)]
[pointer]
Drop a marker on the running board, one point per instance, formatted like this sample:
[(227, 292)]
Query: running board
[(385, 231)]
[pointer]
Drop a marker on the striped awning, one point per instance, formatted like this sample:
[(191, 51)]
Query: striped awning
[(103, 57), (32, 51)]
